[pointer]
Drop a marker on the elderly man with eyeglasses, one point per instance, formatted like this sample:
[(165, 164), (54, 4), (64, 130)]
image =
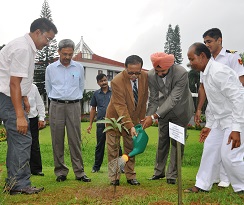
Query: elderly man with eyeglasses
[(65, 86), (129, 99)]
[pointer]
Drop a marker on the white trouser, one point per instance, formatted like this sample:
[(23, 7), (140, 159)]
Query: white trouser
[(215, 148), (233, 161), (209, 167), (223, 175)]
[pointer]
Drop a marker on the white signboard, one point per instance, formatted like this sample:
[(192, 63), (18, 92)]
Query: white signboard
[(177, 132)]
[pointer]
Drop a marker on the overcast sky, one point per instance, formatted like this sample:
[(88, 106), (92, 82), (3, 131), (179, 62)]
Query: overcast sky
[(116, 29)]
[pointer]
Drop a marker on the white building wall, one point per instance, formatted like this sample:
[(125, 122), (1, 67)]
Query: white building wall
[(91, 71)]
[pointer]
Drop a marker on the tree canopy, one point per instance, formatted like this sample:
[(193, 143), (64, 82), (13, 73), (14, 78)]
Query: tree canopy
[(48, 53), (45, 56), (173, 44)]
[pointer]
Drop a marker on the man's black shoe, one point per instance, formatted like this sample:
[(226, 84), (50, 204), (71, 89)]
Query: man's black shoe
[(83, 178), (94, 171), (171, 181), (133, 182), (115, 182), (38, 173), (61, 178), (28, 190), (154, 177)]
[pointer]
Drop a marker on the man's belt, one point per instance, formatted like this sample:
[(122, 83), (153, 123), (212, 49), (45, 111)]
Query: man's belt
[(65, 101)]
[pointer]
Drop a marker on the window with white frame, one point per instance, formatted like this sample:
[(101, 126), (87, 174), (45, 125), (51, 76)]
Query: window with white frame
[(110, 75)]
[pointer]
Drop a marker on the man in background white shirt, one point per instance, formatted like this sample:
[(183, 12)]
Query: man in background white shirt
[(37, 121)]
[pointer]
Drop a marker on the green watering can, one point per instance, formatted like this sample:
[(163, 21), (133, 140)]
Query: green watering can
[(139, 143)]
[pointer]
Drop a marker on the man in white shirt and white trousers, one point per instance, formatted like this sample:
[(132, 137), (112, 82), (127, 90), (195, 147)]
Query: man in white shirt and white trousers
[(213, 40), (225, 99)]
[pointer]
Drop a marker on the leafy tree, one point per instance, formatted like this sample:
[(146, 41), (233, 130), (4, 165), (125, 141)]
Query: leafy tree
[(177, 45), (173, 44), (48, 53), (194, 83), (45, 56), (169, 45), (87, 96)]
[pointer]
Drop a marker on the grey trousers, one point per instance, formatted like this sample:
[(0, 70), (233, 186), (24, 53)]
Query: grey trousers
[(19, 147), (166, 145), (66, 116)]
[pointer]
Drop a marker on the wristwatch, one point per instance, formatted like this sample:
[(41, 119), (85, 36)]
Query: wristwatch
[(153, 119)]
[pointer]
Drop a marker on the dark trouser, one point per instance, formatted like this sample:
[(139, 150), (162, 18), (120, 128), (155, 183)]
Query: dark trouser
[(100, 147), (35, 158), (19, 146), (99, 151), (164, 142)]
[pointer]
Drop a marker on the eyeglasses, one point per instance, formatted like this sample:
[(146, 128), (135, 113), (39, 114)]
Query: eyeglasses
[(134, 73), (48, 39), (70, 55)]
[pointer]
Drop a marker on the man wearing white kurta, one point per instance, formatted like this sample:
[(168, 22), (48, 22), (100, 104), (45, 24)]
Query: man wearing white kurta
[(225, 99)]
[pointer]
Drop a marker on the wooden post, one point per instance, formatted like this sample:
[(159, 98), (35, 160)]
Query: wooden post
[(179, 173)]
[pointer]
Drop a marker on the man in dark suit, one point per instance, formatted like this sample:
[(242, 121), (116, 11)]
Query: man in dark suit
[(170, 100), (133, 108)]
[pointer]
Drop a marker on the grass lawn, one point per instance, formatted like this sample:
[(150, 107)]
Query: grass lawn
[(100, 192)]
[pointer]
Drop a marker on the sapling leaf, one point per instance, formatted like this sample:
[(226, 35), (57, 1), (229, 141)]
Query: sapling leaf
[(104, 121), (120, 118), (108, 128), (127, 131), (119, 127), (124, 122)]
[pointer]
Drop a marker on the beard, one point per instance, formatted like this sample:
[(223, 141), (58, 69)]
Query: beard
[(163, 75)]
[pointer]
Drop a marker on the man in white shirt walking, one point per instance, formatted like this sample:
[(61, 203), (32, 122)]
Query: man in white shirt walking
[(225, 99), (213, 40)]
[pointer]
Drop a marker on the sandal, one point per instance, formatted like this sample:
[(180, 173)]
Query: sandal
[(194, 189)]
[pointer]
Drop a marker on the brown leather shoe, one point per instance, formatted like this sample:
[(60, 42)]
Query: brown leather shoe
[(133, 182), (28, 190)]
